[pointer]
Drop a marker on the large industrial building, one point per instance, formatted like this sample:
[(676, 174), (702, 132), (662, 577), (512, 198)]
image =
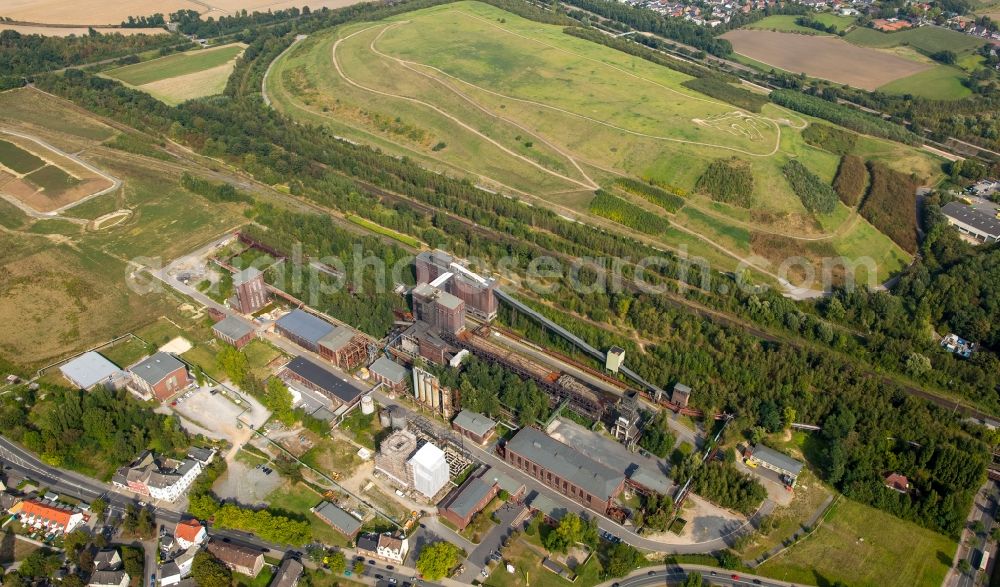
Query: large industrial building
[(443, 271), (313, 386), (340, 345), (438, 308), (420, 467), (979, 225), (564, 469), (92, 369), (160, 375), (251, 293)]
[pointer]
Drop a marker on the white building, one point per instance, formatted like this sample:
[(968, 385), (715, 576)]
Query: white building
[(430, 470)]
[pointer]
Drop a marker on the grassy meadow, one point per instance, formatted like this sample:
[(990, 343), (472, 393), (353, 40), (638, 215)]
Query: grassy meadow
[(860, 545), (522, 108), (68, 286), (183, 76)]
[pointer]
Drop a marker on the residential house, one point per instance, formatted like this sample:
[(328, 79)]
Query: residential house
[(158, 478), (384, 547), (188, 533), (897, 482), (118, 578), (240, 559), (108, 559), (46, 515), (288, 574)]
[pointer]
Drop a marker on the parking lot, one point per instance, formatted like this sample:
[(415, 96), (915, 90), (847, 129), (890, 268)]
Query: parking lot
[(247, 484), (215, 415)]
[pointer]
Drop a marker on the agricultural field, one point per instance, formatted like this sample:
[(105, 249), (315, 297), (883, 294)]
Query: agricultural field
[(43, 180), (928, 39), (102, 12), (786, 23), (182, 76), (824, 57), (67, 283), (941, 82), (522, 108), (860, 545)]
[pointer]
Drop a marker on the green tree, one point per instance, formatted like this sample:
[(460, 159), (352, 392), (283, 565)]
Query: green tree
[(209, 571), (622, 560), (337, 562), (99, 507), (436, 560), (693, 579), (359, 567), (278, 399)]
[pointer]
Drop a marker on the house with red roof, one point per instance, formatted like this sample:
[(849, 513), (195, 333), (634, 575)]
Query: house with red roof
[(897, 482), (46, 515), (189, 533)]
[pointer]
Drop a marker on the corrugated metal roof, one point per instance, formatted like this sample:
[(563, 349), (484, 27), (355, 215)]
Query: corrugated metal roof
[(89, 369), (337, 338), (567, 462), (979, 220), (305, 326), (326, 380), (776, 459)]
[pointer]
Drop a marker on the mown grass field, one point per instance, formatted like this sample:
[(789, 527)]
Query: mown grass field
[(928, 39), (941, 82), (174, 65), (786, 23), (183, 76), (860, 545)]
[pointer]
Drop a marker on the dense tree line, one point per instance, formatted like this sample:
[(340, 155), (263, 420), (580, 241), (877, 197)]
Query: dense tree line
[(843, 115), (721, 89), (646, 20), (24, 55), (655, 194), (816, 195), (93, 432), (213, 191), (656, 436), (491, 389), (363, 296), (734, 372), (955, 286), (851, 180), (812, 23), (728, 180), (891, 205), (830, 138), (144, 22), (626, 213)]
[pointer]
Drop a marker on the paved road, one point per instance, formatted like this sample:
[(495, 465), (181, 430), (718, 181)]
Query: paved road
[(674, 574), (984, 510)]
